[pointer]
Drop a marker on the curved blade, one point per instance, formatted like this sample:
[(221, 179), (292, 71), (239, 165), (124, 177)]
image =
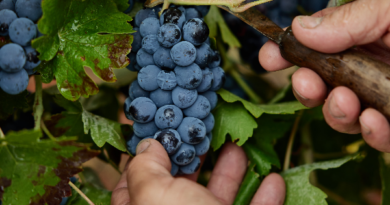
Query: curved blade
[(260, 22)]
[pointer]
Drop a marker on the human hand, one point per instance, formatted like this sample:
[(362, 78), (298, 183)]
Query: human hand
[(147, 180), (363, 23)]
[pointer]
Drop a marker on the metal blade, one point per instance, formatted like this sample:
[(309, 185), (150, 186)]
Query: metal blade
[(260, 22)]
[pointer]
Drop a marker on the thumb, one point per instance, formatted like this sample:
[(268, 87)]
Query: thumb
[(148, 173), (356, 23)]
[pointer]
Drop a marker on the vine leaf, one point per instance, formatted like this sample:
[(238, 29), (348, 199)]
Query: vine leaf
[(8, 103), (76, 120), (97, 195), (215, 20), (384, 162), (82, 34), (233, 119), (103, 130), (258, 109), (35, 171), (260, 148), (299, 189), (122, 5)]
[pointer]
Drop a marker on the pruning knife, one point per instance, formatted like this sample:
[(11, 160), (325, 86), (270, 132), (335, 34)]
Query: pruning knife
[(366, 76)]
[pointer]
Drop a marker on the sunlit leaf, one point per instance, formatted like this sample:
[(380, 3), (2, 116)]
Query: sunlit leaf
[(232, 119), (299, 189), (91, 34)]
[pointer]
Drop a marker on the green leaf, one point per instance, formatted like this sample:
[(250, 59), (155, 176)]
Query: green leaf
[(299, 189), (103, 130), (214, 19), (384, 161), (36, 171), (260, 148), (248, 187), (137, 7), (258, 109), (122, 4), (90, 34), (45, 69), (233, 119), (9, 103), (76, 120), (97, 196)]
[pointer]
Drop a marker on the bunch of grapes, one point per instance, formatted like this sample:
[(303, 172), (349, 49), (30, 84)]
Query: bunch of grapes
[(18, 59), (178, 74)]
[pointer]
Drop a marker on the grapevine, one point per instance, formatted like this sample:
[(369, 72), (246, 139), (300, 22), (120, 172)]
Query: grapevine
[(83, 83)]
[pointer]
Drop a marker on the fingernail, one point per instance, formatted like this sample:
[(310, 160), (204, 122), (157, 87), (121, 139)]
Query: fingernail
[(309, 22), (334, 109), (365, 129), (142, 146), (296, 92)]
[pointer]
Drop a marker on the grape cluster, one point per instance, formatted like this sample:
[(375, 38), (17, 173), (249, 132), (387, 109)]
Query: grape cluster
[(178, 74), (18, 59)]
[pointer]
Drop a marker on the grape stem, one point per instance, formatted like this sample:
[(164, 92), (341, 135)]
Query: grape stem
[(294, 130), (235, 6), (229, 66), (81, 193), (307, 153), (248, 90), (2, 136), (47, 132), (38, 106)]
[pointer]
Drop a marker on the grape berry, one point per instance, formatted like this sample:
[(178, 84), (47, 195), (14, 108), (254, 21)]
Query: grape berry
[(18, 59), (176, 84)]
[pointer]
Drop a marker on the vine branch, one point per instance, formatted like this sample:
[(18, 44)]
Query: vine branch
[(287, 158), (234, 5), (81, 193), (38, 106)]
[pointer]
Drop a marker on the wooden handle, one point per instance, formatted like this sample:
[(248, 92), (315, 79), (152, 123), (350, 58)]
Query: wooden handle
[(367, 77)]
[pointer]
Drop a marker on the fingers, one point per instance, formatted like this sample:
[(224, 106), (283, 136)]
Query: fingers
[(150, 182), (375, 130), (341, 110), (272, 191), (386, 38), (228, 173), (308, 87), (120, 194), (356, 23), (271, 59), (149, 172)]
